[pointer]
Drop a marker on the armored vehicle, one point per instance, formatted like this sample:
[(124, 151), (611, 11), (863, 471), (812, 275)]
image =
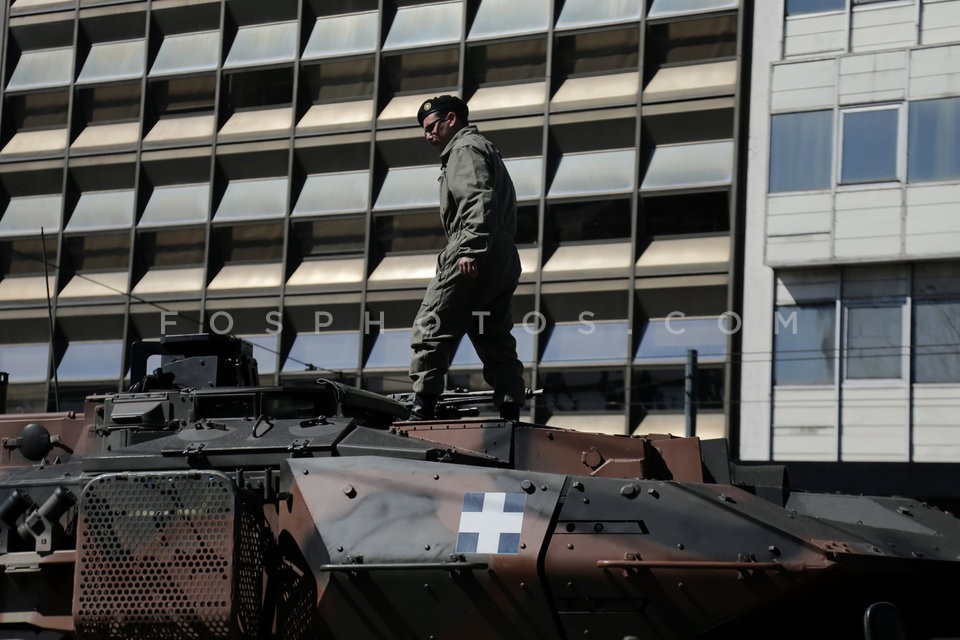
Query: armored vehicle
[(200, 504)]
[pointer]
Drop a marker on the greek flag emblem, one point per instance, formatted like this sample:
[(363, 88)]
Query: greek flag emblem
[(491, 522)]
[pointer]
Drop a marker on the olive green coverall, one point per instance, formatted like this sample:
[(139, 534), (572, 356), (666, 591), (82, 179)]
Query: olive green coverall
[(478, 209)]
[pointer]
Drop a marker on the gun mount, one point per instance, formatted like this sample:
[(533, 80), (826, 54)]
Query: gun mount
[(185, 510)]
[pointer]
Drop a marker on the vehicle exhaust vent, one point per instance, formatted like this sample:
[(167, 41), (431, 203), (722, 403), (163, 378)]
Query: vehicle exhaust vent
[(157, 556)]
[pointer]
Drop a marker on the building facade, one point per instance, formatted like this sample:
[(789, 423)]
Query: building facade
[(851, 346), (168, 166)]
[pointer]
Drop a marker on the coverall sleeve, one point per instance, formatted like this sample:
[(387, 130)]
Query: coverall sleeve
[(472, 188)]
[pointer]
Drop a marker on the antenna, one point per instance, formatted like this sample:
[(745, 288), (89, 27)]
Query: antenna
[(53, 362)]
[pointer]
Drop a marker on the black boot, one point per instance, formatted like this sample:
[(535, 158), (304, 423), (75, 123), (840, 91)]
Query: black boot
[(509, 411), (424, 407)]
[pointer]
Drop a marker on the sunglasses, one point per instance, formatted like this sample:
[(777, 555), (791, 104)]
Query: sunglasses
[(430, 128)]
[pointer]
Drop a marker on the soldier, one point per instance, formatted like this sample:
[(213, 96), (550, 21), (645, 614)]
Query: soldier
[(477, 271)]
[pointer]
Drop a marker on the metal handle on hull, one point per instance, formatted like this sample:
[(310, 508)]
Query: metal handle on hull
[(404, 566), (737, 565)]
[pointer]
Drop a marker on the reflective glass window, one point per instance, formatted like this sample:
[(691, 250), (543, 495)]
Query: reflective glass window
[(595, 172), (497, 18), (187, 53), (263, 44), (113, 61), (669, 340), (343, 35), (262, 198), (102, 210), (177, 203), (690, 165), (264, 352), (391, 350), (337, 350), (801, 150), (869, 146), (410, 187), (38, 69), (797, 7), (804, 344), (425, 24), (91, 360), (25, 362), (874, 342), (934, 140), (527, 176), (28, 214), (670, 8), (936, 339), (346, 192), (586, 342), (579, 13), (466, 355)]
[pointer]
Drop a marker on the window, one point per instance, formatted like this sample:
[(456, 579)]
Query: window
[(804, 344), (874, 345), (934, 133), (882, 326), (936, 341), (797, 7), (586, 342), (583, 391), (801, 151), (869, 145), (664, 389), (669, 340)]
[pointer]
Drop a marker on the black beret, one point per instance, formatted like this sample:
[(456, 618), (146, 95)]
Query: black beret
[(443, 103)]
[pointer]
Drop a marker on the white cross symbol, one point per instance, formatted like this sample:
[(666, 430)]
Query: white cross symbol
[(491, 522)]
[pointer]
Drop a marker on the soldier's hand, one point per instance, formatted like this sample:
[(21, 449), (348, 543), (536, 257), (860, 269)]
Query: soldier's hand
[(468, 267)]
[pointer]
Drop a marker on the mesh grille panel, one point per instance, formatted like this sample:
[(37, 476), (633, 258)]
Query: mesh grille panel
[(252, 548), (155, 557)]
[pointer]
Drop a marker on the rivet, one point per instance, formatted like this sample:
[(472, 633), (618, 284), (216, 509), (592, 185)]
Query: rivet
[(570, 546), (773, 549), (523, 586), (349, 491), (653, 493), (586, 501), (527, 486), (681, 586), (436, 476), (339, 548), (680, 546), (306, 472), (426, 547), (523, 545), (628, 491), (543, 487)]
